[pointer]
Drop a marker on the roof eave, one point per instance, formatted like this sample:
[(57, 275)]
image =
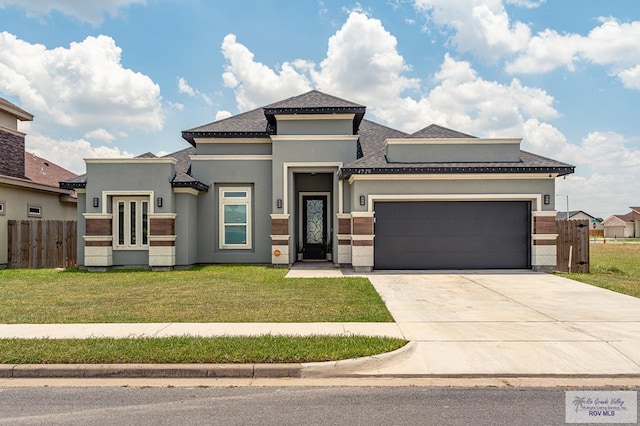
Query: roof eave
[(346, 172), (197, 185), (190, 136)]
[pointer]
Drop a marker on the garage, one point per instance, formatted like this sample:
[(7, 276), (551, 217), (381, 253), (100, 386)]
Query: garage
[(452, 235)]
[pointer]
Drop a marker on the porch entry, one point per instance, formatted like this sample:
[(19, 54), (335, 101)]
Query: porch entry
[(314, 226)]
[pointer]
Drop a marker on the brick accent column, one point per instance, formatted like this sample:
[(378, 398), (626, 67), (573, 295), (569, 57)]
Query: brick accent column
[(162, 240), (98, 240), (545, 234), (343, 252), (280, 240), (362, 241)]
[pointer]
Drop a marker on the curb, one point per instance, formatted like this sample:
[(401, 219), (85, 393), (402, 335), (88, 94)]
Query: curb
[(328, 369), (150, 371)]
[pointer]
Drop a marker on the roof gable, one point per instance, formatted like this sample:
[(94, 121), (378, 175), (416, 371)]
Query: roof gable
[(16, 111), (436, 131)]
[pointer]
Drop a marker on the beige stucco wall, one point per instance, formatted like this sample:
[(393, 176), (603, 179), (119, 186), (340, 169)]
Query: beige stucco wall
[(16, 200)]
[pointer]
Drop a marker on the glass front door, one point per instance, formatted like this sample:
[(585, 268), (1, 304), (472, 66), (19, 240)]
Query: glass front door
[(314, 226)]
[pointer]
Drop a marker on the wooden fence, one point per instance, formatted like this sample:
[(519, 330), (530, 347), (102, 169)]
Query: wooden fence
[(573, 246), (42, 243)]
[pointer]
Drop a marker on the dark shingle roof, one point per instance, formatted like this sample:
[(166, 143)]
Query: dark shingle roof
[(376, 163), (181, 179), (373, 135), (436, 131), (312, 100), (260, 122)]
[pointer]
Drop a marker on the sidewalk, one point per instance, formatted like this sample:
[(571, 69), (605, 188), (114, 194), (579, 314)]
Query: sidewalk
[(460, 324)]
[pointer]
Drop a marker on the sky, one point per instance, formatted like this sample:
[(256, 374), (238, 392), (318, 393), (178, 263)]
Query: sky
[(118, 78)]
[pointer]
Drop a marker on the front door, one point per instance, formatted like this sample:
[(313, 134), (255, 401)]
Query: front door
[(314, 226)]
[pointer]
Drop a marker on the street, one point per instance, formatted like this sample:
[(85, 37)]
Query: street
[(291, 405)]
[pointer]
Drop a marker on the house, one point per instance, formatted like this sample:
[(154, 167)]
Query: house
[(29, 185), (595, 223), (309, 176), (623, 226)]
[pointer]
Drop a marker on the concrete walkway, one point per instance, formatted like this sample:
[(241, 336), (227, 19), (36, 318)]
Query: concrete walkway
[(482, 323)]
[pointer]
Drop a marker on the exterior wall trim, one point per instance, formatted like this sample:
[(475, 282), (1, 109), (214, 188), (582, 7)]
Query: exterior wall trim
[(539, 213), (189, 191), (544, 236), (106, 194), (452, 176), (356, 237), (276, 138), (285, 179), (97, 216), (130, 160), (372, 198), (451, 141), (230, 157), (232, 140), (279, 216), (294, 117)]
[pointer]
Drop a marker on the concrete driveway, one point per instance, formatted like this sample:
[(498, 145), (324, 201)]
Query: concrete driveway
[(509, 323)]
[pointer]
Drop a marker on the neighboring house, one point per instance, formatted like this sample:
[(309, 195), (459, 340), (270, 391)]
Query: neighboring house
[(623, 226), (29, 185), (581, 215), (309, 175)]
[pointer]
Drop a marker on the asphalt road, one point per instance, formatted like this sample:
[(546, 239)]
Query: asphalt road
[(281, 406)]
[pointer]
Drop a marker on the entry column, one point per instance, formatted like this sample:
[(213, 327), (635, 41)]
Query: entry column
[(362, 241)]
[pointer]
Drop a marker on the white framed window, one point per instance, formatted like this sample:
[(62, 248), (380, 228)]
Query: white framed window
[(2, 209), (234, 217), (34, 210), (130, 223)]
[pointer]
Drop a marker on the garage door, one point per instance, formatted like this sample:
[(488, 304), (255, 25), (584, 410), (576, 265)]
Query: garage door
[(452, 235)]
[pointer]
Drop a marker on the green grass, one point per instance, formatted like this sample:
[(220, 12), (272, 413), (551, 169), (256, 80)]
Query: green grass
[(613, 266), (229, 293), (183, 350)]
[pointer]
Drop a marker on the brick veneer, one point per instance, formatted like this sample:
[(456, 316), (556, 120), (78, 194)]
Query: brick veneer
[(362, 226), (344, 226), (279, 226), (98, 227), (544, 225), (162, 226), (12, 158)]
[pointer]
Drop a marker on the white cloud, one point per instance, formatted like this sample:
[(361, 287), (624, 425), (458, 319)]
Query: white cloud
[(363, 63), (70, 154), (607, 179), (83, 86), (611, 44), (529, 4), (255, 83), (481, 27), (100, 134), (91, 11), (221, 115), (184, 87)]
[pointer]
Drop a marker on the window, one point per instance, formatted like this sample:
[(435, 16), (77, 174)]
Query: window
[(34, 211), (131, 222), (235, 217)]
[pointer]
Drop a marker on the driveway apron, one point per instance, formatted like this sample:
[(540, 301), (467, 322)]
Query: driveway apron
[(510, 323)]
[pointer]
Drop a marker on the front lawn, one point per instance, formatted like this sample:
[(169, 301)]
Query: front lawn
[(220, 293), (613, 266), (188, 350)]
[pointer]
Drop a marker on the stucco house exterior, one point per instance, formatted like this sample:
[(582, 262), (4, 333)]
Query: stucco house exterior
[(309, 175), (29, 185), (623, 225)]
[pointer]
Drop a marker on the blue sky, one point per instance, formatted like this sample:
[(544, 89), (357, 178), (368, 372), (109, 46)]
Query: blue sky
[(113, 78)]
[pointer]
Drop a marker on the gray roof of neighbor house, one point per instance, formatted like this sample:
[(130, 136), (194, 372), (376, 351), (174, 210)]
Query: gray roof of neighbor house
[(563, 215)]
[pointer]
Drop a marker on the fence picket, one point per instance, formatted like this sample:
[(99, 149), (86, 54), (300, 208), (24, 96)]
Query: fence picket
[(42, 243), (573, 246)]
